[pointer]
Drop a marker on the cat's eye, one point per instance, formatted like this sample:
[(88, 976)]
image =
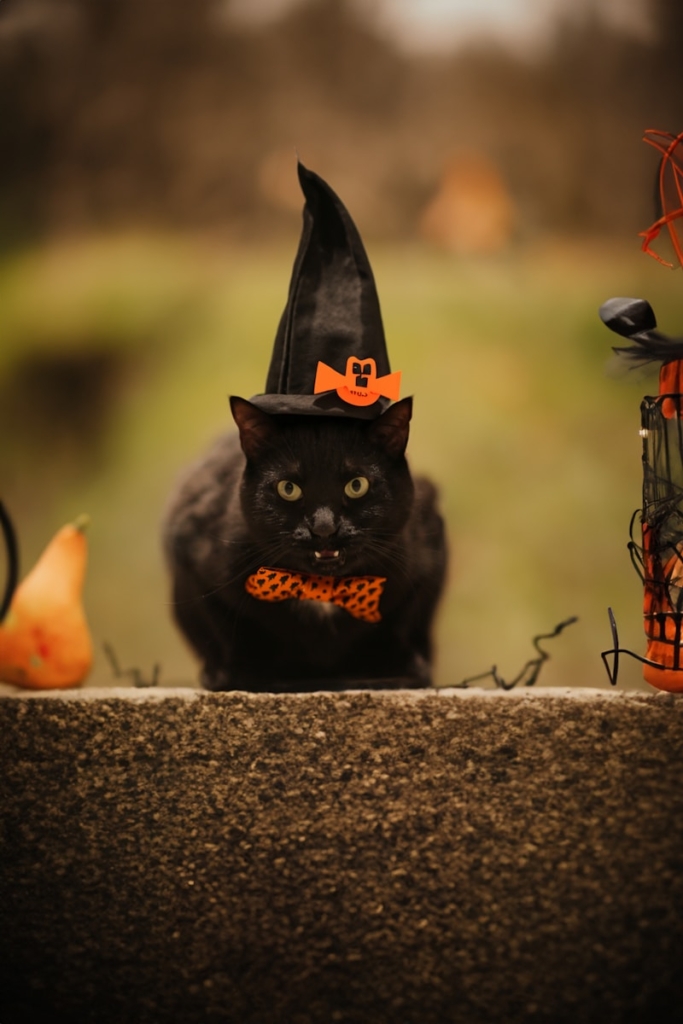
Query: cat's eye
[(288, 490), (357, 487)]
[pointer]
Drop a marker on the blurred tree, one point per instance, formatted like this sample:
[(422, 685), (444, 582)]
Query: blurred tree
[(667, 17), (161, 112)]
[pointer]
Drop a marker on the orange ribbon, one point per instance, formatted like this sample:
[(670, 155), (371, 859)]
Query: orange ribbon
[(358, 595)]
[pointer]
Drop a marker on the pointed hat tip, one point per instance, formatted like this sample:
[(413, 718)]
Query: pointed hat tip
[(332, 313), (302, 171), (313, 185)]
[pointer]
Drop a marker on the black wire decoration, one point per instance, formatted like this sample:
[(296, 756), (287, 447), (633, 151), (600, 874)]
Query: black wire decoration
[(656, 555), (12, 549), (658, 558), (133, 673), (531, 670)]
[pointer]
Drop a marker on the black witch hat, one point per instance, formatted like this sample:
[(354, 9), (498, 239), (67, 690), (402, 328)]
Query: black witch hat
[(330, 356)]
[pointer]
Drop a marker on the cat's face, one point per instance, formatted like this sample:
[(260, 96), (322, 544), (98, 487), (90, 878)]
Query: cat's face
[(325, 495)]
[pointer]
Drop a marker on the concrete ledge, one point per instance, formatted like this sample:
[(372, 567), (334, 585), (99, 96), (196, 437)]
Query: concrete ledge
[(174, 857)]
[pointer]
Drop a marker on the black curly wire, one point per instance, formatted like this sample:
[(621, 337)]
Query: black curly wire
[(530, 670), (12, 560)]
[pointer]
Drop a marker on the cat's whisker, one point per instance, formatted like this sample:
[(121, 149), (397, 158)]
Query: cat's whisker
[(249, 562), (389, 555)]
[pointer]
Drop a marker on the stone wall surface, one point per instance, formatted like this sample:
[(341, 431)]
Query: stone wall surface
[(173, 857)]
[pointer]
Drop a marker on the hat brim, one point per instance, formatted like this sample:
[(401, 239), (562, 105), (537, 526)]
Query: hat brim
[(327, 404)]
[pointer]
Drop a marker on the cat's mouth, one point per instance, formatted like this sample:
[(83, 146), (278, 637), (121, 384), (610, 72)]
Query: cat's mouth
[(329, 558)]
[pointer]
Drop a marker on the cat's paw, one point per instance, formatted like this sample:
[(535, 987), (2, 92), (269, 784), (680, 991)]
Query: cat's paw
[(215, 679), (421, 671)]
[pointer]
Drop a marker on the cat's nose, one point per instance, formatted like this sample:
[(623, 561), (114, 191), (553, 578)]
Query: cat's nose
[(322, 522)]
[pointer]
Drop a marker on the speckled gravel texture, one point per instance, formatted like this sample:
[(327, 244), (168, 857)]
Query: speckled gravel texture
[(396, 857)]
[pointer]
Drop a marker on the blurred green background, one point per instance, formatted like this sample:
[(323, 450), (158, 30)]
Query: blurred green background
[(149, 217)]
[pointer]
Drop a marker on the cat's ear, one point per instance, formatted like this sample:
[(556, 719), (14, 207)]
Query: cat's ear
[(391, 429), (255, 426)]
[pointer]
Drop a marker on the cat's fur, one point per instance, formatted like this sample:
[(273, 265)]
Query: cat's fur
[(227, 520)]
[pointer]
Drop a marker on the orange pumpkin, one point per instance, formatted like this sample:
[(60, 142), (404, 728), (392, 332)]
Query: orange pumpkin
[(44, 638)]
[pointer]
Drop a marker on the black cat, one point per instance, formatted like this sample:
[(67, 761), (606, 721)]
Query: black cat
[(328, 496)]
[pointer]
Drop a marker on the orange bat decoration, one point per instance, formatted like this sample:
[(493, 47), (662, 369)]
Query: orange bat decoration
[(360, 385)]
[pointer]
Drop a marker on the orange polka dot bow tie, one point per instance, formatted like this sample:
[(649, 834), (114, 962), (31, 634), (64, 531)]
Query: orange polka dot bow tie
[(358, 595)]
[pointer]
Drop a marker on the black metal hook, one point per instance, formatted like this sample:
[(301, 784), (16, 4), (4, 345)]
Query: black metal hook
[(613, 672)]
